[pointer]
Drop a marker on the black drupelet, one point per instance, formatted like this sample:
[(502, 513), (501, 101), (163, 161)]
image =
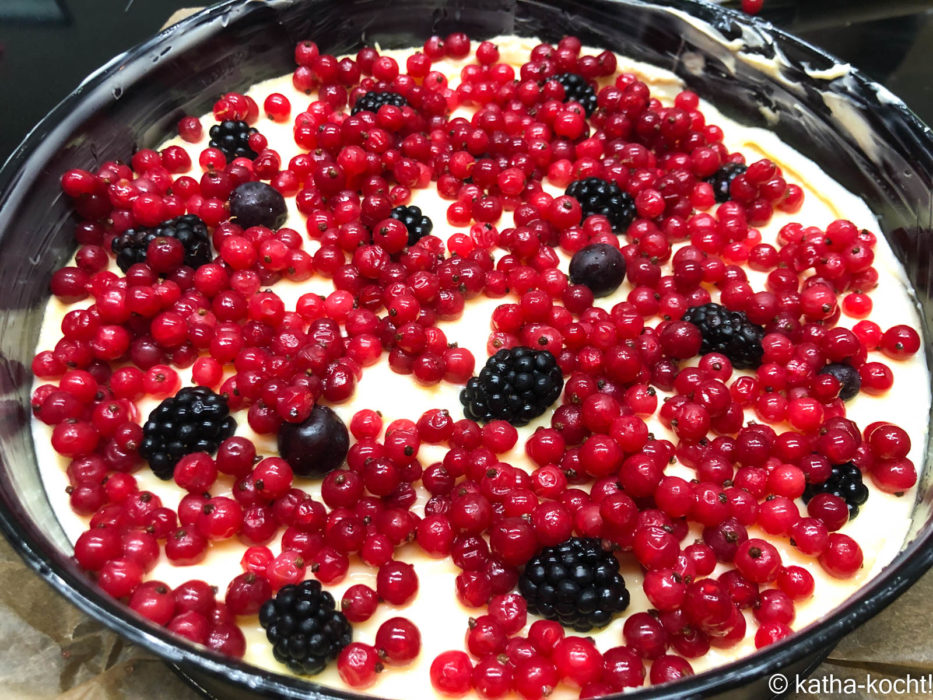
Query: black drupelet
[(373, 100), (728, 332), (304, 627), (194, 420), (515, 385), (415, 221), (598, 196), (576, 583), (130, 246), (232, 138)]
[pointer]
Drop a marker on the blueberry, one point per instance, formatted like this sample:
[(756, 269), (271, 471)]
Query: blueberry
[(849, 380), (316, 446), (257, 204), (600, 267)]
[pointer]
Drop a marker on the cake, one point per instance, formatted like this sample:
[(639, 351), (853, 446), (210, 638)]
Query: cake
[(445, 356)]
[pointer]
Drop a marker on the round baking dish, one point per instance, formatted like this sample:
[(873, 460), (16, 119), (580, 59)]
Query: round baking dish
[(857, 131)]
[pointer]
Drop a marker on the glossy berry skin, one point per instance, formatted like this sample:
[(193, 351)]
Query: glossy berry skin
[(451, 672), (491, 678), (359, 602), (668, 668), (397, 582), (600, 267), (315, 446), (359, 665), (578, 661), (842, 557), (398, 641), (257, 204)]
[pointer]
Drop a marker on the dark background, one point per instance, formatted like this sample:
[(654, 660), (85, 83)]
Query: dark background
[(48, 46)]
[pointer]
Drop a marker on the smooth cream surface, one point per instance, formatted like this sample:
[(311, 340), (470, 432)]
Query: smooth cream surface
[(439, 616)]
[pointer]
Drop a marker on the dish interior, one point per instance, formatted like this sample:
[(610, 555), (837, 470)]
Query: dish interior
[(856, 131)]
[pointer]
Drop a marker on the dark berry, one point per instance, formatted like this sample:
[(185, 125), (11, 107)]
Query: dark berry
[(598, 196), (600, 267), (372, 101), (576, 583), (417, 223), (577, 88), (132, 244), (516, 385), (315, 446), (232, 138), (257, 204), (304, 627), (729, 333), (849, 379), (845, 481), (722, 179), (194, 420)]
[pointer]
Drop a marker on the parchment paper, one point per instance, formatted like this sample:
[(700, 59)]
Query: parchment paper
[(48, 649)]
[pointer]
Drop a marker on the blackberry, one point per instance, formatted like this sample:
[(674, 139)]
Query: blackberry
[(722, 179), (372, 101), (232, 138), (728, 332), (598, 196), (576, 583), (130, 246), (578, 89), (257, 204), (194, 420), (598, 266), (844, 481), (849, 379), (515, 385), (415, 221), (304, 627)]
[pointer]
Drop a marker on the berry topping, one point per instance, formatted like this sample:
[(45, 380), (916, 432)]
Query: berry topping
[(305, 628), (372, 101), (721, 180), (232, 138), (418, 224), (257, 204), (516, 385), (575, 582), (849, 379), (598, 196), (577, 88), (194, 420), (729, 333), (550, 520), (317, 445), (845, 481), (132, 245), (600, 267)]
